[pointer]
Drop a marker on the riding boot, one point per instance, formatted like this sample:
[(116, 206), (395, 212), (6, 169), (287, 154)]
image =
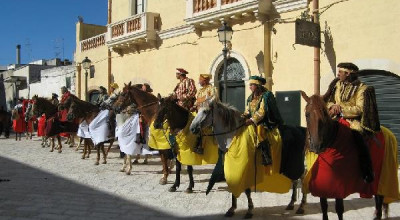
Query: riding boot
[(265, 152), (198, 149)]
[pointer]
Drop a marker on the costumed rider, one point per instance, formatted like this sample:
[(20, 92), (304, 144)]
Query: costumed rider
[(185, 90), (103, 96), (263, 112), (205, 94), (106, 102), (353, 104)]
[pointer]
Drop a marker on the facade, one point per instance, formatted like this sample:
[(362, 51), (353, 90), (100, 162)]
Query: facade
[(146, 40)]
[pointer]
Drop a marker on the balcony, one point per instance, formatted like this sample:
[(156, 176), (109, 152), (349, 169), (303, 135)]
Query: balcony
[(93, 42), (133, 31), (207, 12)]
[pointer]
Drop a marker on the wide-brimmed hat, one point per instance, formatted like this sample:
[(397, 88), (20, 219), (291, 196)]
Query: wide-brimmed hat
[(102, 88), (206, 76), (148, 88), (54, 95), (257, 80), (114, 85)]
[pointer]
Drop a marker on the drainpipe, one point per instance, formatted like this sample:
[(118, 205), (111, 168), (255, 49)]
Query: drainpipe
[(109, 51), (79, 70), (18, 54), (267, 55), (317, 60)]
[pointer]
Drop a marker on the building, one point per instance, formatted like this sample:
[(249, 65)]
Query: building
[(145, 40)]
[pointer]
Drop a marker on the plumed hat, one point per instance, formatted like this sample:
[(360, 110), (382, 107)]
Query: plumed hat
[(257, 80)]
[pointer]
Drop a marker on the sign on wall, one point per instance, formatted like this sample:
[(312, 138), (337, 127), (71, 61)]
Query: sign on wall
[(308, 33)]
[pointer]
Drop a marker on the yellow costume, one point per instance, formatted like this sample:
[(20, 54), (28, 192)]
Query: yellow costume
[(185, 141), (204, 93)]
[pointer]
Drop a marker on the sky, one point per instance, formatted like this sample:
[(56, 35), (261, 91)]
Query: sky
[(45, 29)]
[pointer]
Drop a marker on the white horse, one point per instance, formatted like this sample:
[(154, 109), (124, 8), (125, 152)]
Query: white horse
[(229, 130)]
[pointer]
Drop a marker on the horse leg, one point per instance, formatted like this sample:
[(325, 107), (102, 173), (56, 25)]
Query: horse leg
[(124, 164), (85, 146), (303, 203), (129, 161), (191, 181), (324, 208), (52, 144), (378, 207), (89, 147), (339, 207), (177, 177), (290, 206), (385, 209), (79, 145), (164, 163), (109, 147), (59, 143), (104, 154), (231, 210), (98, 155), (72, 140), (249, 213)]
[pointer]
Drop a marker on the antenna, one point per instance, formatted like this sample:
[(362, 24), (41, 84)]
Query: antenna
[(28, 49), (58, 47)]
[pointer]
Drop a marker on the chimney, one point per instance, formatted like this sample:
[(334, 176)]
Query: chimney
[(18, 54)]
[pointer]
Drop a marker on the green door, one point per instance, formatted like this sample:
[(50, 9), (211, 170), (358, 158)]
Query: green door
[(235, 84)]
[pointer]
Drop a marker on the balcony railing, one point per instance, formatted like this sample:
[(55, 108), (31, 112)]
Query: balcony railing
[(140, 26), (201, 11), (93, 42)]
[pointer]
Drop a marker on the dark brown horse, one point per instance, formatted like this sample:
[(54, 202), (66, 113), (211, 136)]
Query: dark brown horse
[(83, 110), (177, 118), (5, 122), (342, 153), (148, 105)]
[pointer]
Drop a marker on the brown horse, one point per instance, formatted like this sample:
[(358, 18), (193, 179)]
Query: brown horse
[(83, 110), (343, 153), (148, 105), (5, 123), (53, 126), (177, 118)]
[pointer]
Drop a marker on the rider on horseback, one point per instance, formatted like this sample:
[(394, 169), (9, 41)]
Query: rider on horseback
[(185, 90), (263, 112)]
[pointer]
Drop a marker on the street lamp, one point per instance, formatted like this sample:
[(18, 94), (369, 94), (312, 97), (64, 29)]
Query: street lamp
[(86, 63), (225, 33)]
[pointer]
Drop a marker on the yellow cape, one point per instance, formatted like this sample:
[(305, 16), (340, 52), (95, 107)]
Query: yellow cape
[(241, 157), (185, 141)]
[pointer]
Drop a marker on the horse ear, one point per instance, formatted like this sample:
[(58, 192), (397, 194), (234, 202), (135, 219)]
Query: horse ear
[(158, 96), (305, 96)]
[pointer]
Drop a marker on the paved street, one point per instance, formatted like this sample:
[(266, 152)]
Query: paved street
[(37, 184)]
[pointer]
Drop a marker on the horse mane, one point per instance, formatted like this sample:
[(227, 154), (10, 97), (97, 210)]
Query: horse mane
[(228, 113), (47, 104), (319, 106)]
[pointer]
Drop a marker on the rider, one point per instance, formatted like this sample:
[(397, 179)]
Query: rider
[(54, 99), (263, 112), (185, 90), (102, 97), (19, 124)]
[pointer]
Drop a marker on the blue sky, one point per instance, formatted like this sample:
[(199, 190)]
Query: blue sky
[(44, 27)]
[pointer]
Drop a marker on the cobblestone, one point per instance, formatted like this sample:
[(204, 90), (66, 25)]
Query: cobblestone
[(46, 185)]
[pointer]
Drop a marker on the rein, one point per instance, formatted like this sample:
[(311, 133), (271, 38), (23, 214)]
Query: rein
[(221, 133), (149, 104)]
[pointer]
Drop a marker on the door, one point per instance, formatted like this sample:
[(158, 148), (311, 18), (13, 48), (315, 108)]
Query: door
[(235, 84), (387, 90)]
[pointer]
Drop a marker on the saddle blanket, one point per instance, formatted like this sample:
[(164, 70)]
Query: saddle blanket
[(83, 130), (98, 128)]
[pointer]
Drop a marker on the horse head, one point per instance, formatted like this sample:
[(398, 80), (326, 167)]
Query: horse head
[(124, 99), (80, 109), (204, 118), (318, 122), (169, 110)]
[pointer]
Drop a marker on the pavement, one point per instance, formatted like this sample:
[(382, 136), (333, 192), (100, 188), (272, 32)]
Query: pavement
[(38, 184)]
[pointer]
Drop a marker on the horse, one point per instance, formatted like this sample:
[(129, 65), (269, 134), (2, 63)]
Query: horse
[(234, 137), (53, 125), (5, 123), (148, 105), (89, 112), (344, 156), (178, 118)]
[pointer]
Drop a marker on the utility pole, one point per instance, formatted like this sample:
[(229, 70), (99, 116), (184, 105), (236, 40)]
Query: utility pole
[(317, 60)]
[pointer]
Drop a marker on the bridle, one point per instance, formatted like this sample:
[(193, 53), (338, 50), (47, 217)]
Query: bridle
[(212, 125)]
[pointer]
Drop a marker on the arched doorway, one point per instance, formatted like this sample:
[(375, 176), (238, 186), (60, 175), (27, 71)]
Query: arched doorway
[(387, 90), (235, 84)]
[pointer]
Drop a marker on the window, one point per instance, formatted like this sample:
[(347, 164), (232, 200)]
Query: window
[(140, 6)]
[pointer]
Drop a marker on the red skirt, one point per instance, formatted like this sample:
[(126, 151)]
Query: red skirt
[(19, 125), (42, 126)]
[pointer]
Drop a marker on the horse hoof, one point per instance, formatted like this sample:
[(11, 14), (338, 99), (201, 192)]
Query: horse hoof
[(122, 170), (97, 163), (172, 189), (128, 173), (104, 162), (289, 207), (189, 190), (59, 151), (163, 181), (248, 215), (51, 150), (229, 213), (300, 211)]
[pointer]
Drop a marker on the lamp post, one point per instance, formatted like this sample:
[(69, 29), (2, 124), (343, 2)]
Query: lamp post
[(225, 33), (86, 63)]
